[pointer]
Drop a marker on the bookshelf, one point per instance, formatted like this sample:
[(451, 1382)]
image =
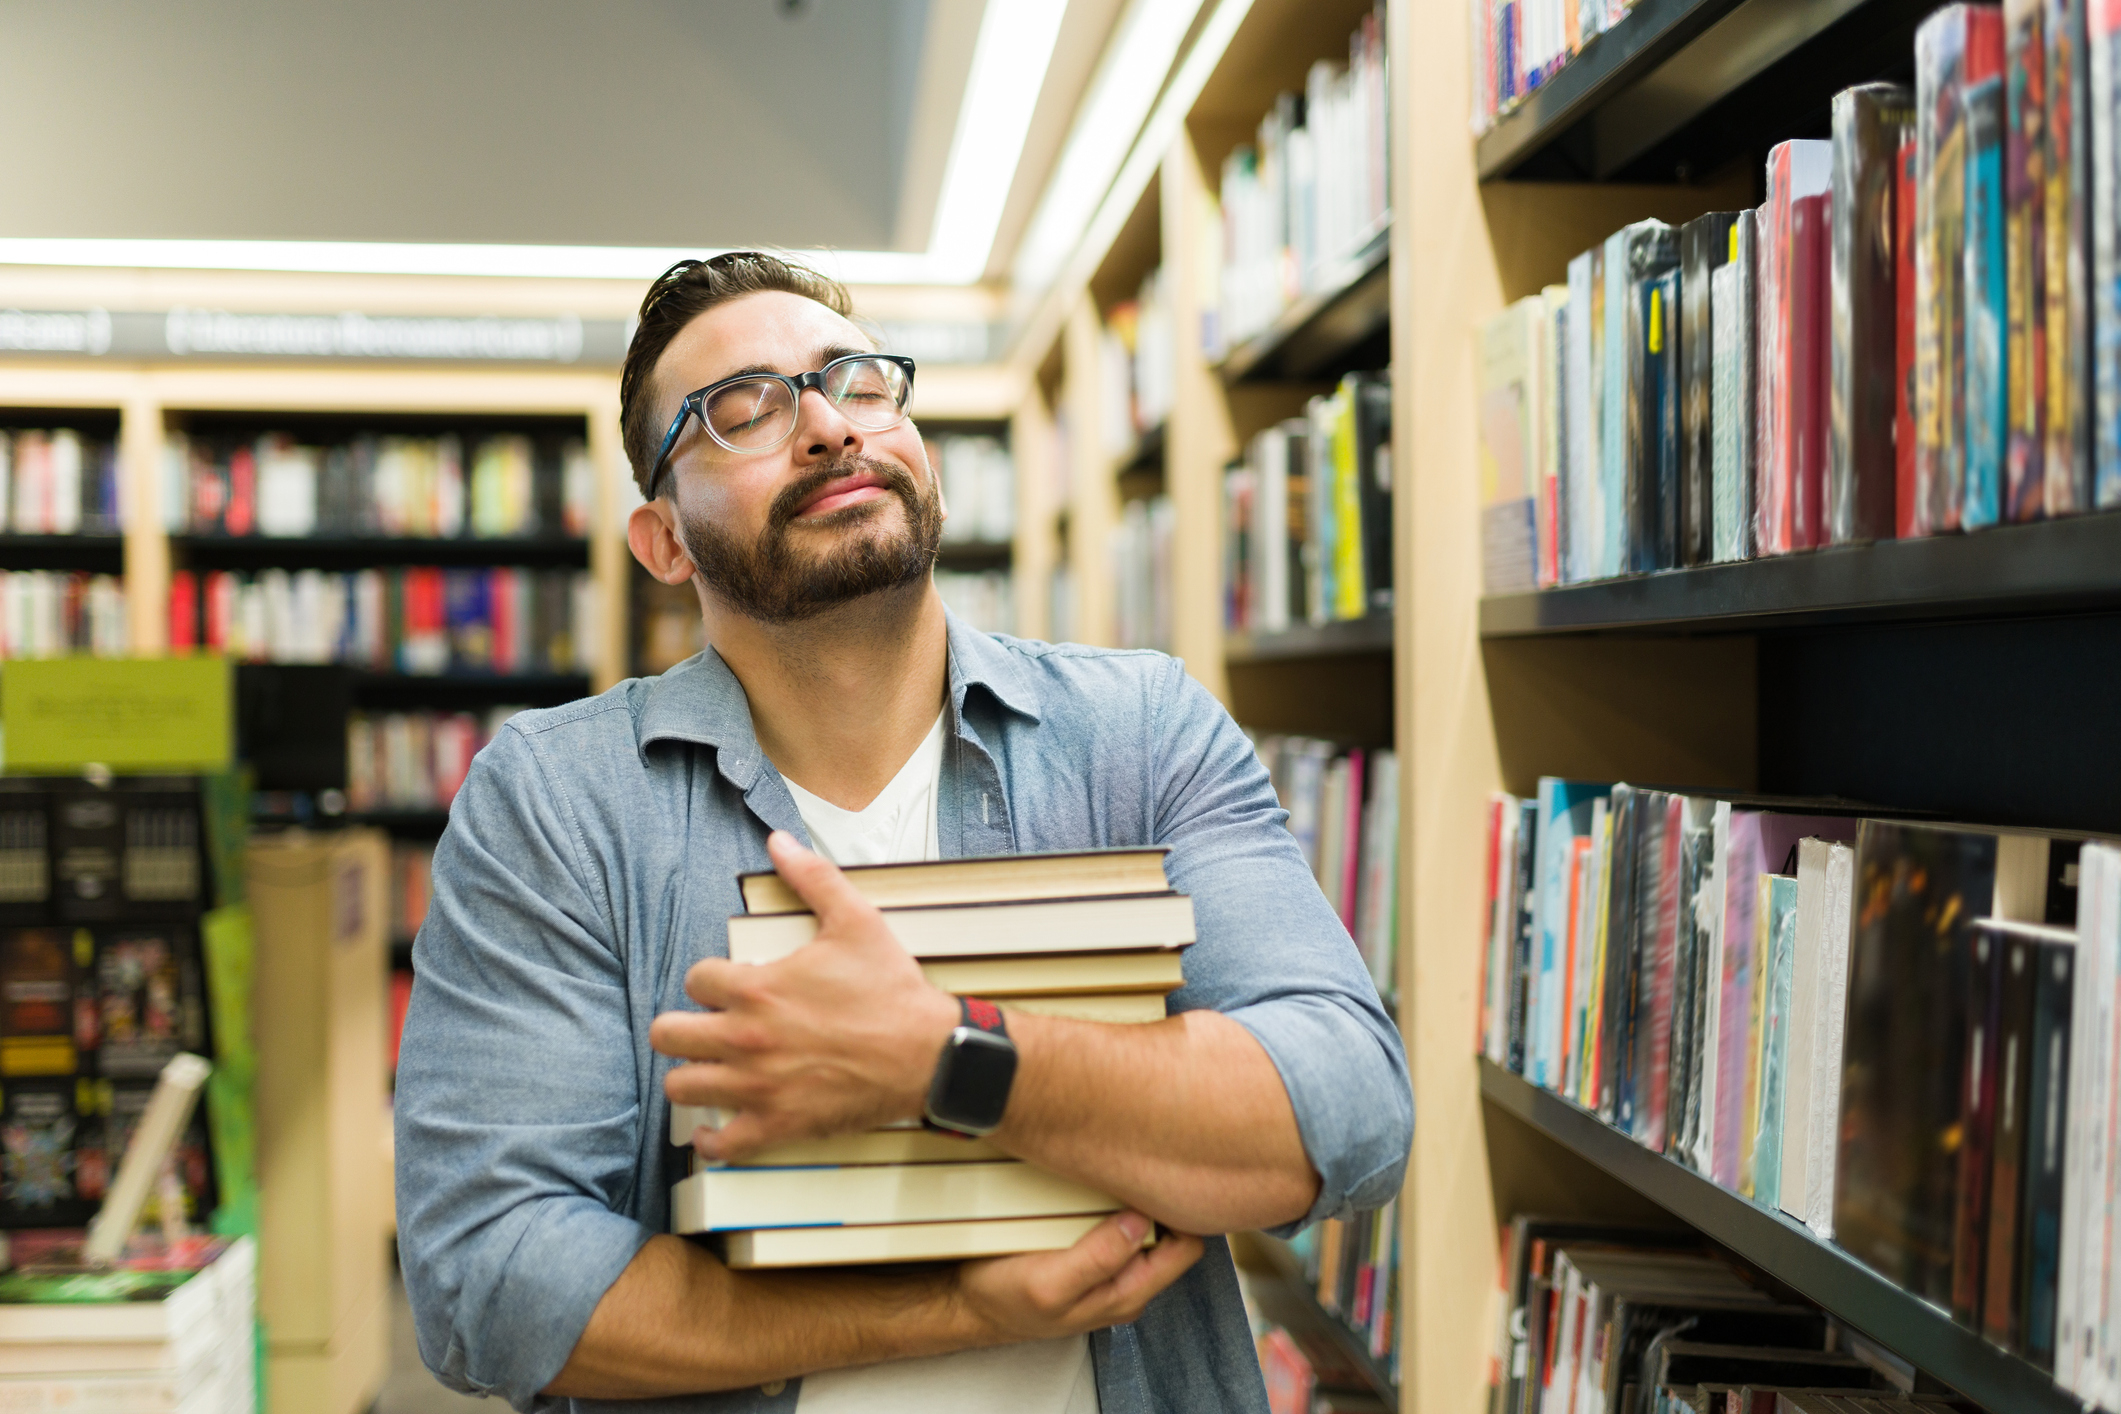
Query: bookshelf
[(1342, 326), (1679, 87), (1286, 1298), (1785, 1250), (96, 554)]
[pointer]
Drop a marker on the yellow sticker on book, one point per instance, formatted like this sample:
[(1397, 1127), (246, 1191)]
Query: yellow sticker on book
[(1656, 320)]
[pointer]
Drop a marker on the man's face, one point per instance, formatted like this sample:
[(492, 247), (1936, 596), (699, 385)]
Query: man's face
[(832, 514)]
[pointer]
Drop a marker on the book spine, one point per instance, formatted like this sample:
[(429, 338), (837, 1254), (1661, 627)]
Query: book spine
[(1868, 124), (1581, 413), (1904, 305), (2103, 40), (1810, 370), (1704, 248), (1999, 1296), (1350, 587), (1772, 432), (2066, 235), (2025, 158), (1610, 554), (1978, 1106), (2047, 1118), (1940, 45), (1986, 287)]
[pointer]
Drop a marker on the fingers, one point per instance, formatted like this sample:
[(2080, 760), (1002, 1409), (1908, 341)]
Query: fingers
[(815, 879), (706, 1035), (1121, 1299), (745, 1133)]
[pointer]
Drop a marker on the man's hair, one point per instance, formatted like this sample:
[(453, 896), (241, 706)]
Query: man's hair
[(681, 294)]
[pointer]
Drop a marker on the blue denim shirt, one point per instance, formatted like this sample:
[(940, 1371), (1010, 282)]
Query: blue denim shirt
[(591, 858)]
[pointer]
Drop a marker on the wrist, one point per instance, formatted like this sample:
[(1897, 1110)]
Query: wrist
[(931, 1024)]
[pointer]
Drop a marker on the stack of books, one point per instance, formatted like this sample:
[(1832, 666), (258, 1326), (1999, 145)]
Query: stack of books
[(1094, 935), (172, 1332)]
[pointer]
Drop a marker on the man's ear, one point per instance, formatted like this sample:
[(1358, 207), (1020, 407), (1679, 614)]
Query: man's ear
[(651, 533)]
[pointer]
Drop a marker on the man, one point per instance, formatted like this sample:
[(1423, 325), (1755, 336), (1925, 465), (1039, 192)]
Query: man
[(573, 980)]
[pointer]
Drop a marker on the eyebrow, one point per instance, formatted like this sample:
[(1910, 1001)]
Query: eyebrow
[(823, 356)]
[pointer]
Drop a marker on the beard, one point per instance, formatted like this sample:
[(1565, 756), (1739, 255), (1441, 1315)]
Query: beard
[(773, 581)]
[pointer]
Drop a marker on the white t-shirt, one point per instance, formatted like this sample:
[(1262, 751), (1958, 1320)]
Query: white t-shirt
[(1036, 1377)]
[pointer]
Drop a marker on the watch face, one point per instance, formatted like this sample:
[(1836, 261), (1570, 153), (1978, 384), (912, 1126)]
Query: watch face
[(972, 1083)]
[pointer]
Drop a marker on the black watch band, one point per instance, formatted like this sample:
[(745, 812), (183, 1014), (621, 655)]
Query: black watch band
[(973, 1074)]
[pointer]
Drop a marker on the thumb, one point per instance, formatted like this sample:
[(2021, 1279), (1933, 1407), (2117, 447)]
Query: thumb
[(817, 881)]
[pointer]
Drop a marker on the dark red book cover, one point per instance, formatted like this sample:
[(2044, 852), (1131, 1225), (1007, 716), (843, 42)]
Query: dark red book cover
[(1977, 1126), (2014, 1093), (241, 517), (183, 611), (1904, 342), (1807, 275)]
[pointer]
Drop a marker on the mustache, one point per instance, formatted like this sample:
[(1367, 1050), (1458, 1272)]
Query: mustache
[(896, 479)]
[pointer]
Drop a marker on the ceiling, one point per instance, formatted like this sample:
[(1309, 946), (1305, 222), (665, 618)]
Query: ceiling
[(624, 122)]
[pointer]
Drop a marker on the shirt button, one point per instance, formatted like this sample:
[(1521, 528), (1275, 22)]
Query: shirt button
[(772, 1387)]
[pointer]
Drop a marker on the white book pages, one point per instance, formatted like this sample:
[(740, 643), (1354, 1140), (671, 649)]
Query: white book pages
[(1795, 1178), (1830, 1032), (2106, 1379), (2075, 1143)]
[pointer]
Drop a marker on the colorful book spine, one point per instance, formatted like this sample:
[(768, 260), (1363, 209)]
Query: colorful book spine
[(1790, 467), (2103, 39), (2066, 236), (1869, 123), (2025, 158), (1986, 286), (1810, 366), (1704, 248), (1904, 400), (1733, 295), (1940, 275)]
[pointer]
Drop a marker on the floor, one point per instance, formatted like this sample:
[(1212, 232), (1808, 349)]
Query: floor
[(410, 1389)]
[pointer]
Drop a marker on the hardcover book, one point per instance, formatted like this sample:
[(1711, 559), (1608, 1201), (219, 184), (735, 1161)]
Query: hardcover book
[(1792, 282), (1704, 249), (1942, 78), (2066, 481), (1733, 296), (1986, 289), (1870, 121), (1005, 878), (2025, 156)]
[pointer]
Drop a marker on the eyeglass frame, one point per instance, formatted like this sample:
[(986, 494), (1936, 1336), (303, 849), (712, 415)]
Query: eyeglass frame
[(796, 383)]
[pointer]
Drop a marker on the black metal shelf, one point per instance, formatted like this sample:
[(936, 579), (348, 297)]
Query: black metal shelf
[(356, 552), (2012, 571), (1678, 87), (458, 691), (1340, 639), (93, 554), (1338, 329), (1291, 1301), (1786, 1250)]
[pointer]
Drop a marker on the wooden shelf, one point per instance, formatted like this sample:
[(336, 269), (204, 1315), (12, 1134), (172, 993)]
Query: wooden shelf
[(1787, 1251), (2051, 567), (1337, 329), (95, 554), (1290, 1300), (1344, 638), (1679, 87), (355, 552)]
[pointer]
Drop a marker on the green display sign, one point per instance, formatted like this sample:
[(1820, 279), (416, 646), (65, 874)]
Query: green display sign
[(58, 715)]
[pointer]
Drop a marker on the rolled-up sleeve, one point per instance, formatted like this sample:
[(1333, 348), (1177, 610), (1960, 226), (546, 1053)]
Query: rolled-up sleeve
[(1272, 955), (518, 1106)]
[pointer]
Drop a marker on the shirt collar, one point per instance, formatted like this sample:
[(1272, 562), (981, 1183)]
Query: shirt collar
[(701, 701)]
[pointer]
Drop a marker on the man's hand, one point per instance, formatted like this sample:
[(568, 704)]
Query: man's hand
[(1105, 1279), (843, 1034)]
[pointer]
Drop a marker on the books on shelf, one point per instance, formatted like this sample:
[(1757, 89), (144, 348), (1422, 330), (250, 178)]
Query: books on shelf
[(58, 481), (1011, 929), (508, 486), (411, 887), (413, 760), (1137, 366), (1307, 514), (420, 620), (1141, 572), (1864, 1023), (979, 485), (162, 1330), (1310, 190), (985, 599), (1895, 343), (1353, 1267), (1343, 807), (52, 613)]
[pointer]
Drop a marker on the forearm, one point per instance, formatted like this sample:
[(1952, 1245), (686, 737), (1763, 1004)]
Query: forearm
[(1185, 1119), (679, 1322)]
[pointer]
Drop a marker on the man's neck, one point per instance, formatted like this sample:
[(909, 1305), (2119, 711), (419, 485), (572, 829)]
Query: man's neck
[(840, 701)]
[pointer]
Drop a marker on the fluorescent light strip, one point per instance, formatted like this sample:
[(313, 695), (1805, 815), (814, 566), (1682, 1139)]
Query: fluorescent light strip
[(1009, 61), (1111, 119)]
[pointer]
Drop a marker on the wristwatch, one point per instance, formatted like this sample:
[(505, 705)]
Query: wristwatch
[(972, 1076)]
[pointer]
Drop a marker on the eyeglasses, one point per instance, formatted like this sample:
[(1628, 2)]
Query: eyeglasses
[(756, 412)]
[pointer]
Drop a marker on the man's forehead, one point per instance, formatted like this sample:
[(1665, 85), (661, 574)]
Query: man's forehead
[(770, 331)]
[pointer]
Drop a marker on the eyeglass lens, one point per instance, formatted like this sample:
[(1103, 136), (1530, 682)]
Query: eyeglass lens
[(758, 412)]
